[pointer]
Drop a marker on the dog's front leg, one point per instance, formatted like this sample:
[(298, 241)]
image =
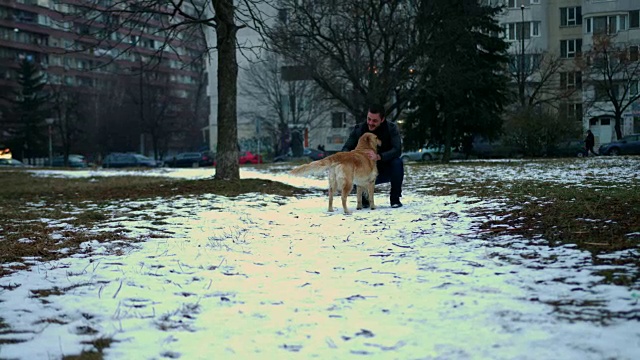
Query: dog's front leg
[(372, 203), (359, 197)]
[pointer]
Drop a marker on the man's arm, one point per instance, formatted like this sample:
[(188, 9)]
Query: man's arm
[(352, 141), (396, 144)]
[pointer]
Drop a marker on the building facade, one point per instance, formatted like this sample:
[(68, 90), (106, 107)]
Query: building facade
[(565, 29), (64, 46)]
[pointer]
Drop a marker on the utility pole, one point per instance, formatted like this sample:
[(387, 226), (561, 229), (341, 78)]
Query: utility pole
[(50, 122), (522, 74), (141, 95)]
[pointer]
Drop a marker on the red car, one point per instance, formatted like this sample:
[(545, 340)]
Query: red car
[(250, 158)]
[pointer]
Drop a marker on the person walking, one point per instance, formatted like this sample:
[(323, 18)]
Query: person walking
[(390, 166), (589, 143)]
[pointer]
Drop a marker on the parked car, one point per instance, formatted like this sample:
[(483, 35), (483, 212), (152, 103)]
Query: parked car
[(311, 153), (483, 148), (314, 154), (247, 157), (573, 148), (75, 161), (121, 160), (10, 163), (428, 153), (283, 157), (628, 145), (191, 159)]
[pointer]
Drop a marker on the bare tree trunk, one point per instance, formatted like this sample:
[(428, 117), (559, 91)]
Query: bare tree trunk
[(227, 167), (617, 126)]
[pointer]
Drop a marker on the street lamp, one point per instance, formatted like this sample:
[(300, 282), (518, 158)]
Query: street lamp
[(50, 122), (522, 73)]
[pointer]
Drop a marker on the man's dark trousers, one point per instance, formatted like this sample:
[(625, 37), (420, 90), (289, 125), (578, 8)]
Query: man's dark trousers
[(393, 172)]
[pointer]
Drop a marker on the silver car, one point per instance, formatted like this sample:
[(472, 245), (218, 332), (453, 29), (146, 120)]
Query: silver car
[(430, 153)]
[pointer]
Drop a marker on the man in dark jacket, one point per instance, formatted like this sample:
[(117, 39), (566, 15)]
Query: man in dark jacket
[(390, 166), (590, 142)]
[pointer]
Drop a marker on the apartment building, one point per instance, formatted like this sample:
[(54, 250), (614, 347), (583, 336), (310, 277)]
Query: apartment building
[(566, 29), (619, 19), (51, 34)]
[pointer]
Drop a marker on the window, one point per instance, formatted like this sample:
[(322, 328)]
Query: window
[(535, 1), (606, 24), (283, 16), (570, 80), (574, 111), (633, 53), (513, 31), (531, 63), (570, 48), (605, 91), (633, 88), (570, 16), (634, 19), (571, 111), (513, 4), (535, 28), (601, 92), (338, 120)]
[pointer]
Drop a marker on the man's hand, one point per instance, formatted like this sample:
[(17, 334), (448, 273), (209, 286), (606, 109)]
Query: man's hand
[(372, 155)]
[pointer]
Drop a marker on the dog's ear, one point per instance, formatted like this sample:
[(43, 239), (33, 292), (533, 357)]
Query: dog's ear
[(373, 142)]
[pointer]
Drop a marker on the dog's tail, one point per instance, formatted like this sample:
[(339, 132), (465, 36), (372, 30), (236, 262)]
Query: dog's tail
[(314, 167)]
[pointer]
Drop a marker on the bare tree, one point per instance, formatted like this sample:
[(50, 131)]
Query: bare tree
[(535, 131), (358, 51), (113, 28), (538, 81), (112, 118), (292, 103), (611, 72), (70, 109), (156, 108)]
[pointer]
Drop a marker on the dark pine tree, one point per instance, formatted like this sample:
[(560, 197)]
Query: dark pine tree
[(29, 110), (463, 84)]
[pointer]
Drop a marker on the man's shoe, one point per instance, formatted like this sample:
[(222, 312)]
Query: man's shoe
[(396, 203)]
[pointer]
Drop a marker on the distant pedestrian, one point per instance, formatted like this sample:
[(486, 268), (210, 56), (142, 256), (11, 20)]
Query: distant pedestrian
[(589, 143)]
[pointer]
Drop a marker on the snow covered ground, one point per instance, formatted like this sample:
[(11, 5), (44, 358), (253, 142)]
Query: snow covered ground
[(262, 276)]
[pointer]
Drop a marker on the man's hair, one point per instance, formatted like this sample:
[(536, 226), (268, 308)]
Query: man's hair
[(377, 109)]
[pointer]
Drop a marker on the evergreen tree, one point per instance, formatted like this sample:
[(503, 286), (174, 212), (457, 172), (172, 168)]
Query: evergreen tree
[(464, 85), (29, 110)]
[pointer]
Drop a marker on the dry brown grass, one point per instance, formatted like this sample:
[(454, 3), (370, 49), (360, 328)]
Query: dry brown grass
[(27, 231)]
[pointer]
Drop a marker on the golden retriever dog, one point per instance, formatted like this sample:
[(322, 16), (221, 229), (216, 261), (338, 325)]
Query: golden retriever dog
[(346, 169)]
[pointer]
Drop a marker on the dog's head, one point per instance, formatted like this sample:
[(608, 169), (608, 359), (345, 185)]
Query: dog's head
[(369, 141)]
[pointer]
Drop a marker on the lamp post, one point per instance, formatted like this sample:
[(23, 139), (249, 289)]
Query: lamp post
[(522, 73), (50, 122)]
